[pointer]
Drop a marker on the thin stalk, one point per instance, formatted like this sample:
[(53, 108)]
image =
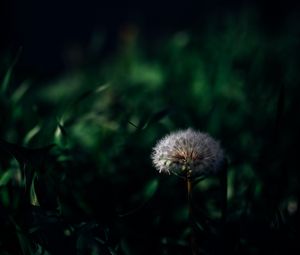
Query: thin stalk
[(189, 195), (189, 191)]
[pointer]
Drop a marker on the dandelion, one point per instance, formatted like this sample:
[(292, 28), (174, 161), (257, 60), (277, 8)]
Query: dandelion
[(188, 153)]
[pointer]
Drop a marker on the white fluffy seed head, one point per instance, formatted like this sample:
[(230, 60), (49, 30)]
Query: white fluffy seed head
[(188, 153)]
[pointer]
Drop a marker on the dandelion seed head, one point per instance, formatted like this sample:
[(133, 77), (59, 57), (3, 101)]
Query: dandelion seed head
[(187, 153)]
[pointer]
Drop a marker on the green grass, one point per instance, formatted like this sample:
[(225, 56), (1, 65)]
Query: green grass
[(75, 169)]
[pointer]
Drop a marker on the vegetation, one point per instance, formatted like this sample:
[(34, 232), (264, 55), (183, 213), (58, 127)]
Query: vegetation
[(76, 175)]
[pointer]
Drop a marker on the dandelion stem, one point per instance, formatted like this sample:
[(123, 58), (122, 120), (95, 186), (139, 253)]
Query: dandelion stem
[(189, 194), (189, 191)]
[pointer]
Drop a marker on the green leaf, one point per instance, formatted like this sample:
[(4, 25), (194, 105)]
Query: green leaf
[(32, 133), (24, 243), (150, 189), (147, 193), (35, 157), (4, 179), (60, 135), (156, 117), (68, 112), (20, 92), (4, 197), (91, 92), (23, 239), (7, 77), (33, 197)]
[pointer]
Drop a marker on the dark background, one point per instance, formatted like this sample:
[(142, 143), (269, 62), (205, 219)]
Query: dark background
[(44, 29)]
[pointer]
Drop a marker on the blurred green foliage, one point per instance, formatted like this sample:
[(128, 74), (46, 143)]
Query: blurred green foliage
[(75, 169)]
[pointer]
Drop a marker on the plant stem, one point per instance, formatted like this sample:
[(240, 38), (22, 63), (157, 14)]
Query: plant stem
[(189, 191), (189, 194)]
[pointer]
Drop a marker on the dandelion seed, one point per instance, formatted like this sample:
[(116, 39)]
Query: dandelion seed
[(188, 153)]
